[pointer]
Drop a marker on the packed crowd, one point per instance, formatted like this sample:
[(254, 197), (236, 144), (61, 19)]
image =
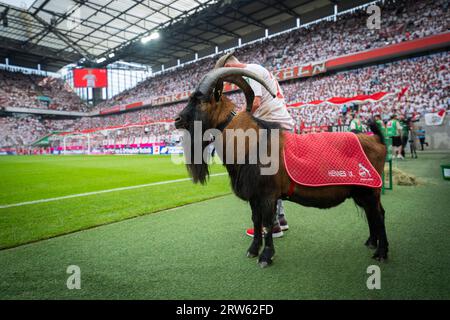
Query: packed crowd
[(24, 130), (32, 91), (401, 20), (424, 80), (21, 131), (18, 131), (120, 119)]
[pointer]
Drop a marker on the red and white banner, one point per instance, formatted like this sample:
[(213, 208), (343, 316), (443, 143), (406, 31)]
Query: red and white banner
[(402, 93), (359, 99), (435, 119)]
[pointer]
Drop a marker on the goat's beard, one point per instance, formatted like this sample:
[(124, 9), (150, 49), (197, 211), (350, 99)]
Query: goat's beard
[(198, 171)]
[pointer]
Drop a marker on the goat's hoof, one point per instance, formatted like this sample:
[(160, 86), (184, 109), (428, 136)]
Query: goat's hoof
[(371, 244), (264, 264), (380, 259), (252, 252), (380, 256)]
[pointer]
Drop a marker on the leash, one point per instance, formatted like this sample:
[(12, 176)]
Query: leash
[(224, 124)]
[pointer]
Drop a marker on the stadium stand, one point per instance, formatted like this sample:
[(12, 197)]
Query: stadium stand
[(426, 78), (402, 20), (20, 131), (32, 91)]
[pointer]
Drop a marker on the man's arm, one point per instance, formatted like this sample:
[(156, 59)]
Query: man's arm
[(256, 86), (235, 65), (256, 104), (399, 128)]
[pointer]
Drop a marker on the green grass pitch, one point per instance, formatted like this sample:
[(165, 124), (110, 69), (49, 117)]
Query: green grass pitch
[(197, 251), (34, 178)]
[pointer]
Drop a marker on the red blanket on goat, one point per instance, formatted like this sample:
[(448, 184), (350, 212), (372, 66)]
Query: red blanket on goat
[(328, 158)]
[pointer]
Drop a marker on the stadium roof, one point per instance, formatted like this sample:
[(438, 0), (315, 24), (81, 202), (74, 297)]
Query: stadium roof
[(55, 33)]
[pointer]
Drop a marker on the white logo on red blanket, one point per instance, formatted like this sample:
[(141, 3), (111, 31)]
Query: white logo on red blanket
[(363, 171)]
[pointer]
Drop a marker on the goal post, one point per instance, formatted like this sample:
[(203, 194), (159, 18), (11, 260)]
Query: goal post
[(140, 138)]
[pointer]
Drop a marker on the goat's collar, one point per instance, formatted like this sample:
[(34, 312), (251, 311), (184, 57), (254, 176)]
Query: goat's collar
[(221, 126)]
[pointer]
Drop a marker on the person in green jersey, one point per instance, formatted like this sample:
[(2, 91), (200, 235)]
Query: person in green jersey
[(380, 124), (394, 131), (355, 124)]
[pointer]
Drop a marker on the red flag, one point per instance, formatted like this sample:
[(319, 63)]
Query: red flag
[(402, 93)]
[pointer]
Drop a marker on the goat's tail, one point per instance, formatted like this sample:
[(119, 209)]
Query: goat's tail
[(376, 130)]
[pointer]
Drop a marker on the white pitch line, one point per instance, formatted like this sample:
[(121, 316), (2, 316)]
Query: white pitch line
[(99, 192)]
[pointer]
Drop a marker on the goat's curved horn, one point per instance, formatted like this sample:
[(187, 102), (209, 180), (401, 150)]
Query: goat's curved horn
[(223, 59), (237, 80), (243, 85), (209, 81)]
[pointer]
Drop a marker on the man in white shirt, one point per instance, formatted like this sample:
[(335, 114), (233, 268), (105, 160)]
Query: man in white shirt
[(267, 108), (90, 79)]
